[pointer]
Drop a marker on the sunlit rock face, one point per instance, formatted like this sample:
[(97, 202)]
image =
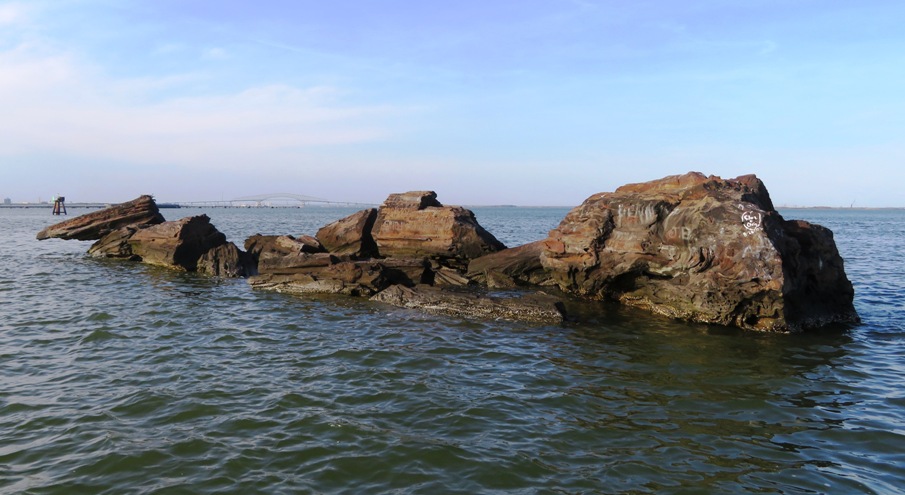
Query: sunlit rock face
[(702, 249)]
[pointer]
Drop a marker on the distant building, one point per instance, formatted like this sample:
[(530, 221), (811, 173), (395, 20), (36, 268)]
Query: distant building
[(7, 201)]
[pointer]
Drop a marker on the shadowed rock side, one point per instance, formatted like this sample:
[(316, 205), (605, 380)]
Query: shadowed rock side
[(690, 247), (92, 226), (178, 244), (350, 236)]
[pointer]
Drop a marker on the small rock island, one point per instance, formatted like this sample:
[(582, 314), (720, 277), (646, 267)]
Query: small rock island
[(689, 247)]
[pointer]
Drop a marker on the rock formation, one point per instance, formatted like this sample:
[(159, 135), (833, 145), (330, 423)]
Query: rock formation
[(179, 244), (137, 231), (412, 239), (93, 226), (690, 247), (416, 224)]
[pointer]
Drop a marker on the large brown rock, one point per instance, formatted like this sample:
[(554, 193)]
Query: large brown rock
[(178, 244), (95, 225), (415, 224), (350, 236), (702, 249)]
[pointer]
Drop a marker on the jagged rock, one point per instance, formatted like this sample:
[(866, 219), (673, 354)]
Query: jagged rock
[(702, 249), (350, 236), (511, 267), (415, 224), (522, 307), (95, 225), (225, 260), (178, 244)]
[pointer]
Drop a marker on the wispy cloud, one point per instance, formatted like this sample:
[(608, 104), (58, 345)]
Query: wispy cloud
[(54, 102), (11, 13)]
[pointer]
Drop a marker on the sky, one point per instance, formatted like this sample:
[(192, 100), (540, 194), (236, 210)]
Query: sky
[(527, 102)]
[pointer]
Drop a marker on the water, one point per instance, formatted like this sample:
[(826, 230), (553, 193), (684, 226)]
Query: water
[(120, 378)]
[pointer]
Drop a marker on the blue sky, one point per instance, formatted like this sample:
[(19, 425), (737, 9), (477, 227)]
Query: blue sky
[(524, 102)]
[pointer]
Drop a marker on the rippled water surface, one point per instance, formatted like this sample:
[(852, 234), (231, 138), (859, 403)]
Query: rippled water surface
[(124, 378)]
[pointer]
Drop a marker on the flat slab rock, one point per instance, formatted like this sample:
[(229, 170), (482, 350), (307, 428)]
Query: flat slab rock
[(95, 225), (532, 307)]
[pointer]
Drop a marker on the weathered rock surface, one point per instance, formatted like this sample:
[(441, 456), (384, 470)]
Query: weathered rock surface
[(95, 225), (415, 224), (271, 253), (423, 242), (350, 236), (511, 268), (702, 249), (534, 307), (225, 260), (179, 244)]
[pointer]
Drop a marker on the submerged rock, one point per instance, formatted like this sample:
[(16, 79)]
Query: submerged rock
[(702, 249), (95, 225), (533, 307)]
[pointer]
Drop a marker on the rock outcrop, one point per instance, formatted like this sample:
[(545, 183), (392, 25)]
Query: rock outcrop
[(137, 231), (416, 224), (95, 225), (690, 247), (178, 244), (411, 239), (695, 248)]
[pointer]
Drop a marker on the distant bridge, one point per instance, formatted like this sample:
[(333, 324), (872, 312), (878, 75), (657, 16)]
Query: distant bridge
[(272, 200)]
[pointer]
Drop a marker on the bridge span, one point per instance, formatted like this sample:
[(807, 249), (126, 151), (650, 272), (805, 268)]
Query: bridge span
[(272, 200)]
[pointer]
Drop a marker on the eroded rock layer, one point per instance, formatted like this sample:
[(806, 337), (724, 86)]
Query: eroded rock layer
[(95, 225)]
